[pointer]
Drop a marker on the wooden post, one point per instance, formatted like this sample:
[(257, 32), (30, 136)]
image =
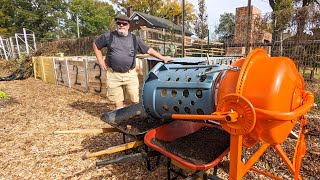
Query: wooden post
[(85, 66), (43, 70), (34, 67), (68, 75), (54, 66)]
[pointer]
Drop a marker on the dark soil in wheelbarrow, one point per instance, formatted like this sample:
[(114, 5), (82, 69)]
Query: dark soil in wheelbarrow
[(201, 147), (139, 124)]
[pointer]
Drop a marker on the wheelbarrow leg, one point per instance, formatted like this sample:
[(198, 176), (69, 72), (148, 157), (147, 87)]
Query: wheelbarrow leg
[(152, 154)]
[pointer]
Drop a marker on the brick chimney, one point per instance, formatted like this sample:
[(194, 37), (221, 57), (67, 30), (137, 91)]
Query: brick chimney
[(177, 19), (129, 11)]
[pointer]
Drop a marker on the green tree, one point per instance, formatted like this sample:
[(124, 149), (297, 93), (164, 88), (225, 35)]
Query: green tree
[(226, 26), (3, 30), (282, 11), (201, 23), (94, 17), (151, 7), (39, 16)]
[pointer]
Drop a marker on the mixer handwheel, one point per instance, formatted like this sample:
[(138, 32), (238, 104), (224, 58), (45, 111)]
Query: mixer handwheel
[(246, 114)]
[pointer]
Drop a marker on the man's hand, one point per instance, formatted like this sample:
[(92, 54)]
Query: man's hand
[(155, 54), (166, 60)]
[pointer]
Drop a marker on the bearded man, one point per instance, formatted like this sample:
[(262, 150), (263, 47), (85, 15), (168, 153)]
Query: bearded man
[(120, 61)]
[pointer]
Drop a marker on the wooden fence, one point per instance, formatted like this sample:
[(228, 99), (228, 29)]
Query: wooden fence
[(85, 74), (82, 73)]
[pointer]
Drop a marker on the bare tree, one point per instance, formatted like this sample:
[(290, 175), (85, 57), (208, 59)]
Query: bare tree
[(201, 24)]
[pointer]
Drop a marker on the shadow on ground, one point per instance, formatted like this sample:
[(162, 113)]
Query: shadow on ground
[(92, 108)]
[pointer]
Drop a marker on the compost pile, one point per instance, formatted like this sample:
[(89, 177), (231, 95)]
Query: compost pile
[(200, 147), (17, 69)]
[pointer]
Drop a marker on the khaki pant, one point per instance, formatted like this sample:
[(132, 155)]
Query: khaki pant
[(121, 84)]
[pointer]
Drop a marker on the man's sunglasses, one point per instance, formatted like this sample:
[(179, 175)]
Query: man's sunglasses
[(122, 23)]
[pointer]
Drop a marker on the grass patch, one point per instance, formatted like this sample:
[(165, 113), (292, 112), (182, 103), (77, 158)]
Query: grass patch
[(3, 95), (307, 73)]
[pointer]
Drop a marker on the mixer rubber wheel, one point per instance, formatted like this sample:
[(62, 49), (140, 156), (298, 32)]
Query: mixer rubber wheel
[(246, 114)]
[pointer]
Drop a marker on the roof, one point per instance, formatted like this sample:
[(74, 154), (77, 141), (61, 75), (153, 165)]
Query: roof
[(160, 22)]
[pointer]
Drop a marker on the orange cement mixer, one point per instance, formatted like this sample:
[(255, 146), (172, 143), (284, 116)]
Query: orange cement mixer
[(257, 99)]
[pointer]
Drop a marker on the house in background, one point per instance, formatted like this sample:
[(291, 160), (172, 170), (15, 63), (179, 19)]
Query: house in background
[(166, 36), (162, 34)]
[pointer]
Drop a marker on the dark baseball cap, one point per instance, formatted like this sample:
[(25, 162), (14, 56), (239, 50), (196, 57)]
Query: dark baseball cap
[(122, 17)]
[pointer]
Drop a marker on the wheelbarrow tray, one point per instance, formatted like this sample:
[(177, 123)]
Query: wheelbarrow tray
[(132, 120), (179, 129)]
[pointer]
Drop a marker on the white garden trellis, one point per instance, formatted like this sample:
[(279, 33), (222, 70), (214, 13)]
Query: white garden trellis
[(25, 43)]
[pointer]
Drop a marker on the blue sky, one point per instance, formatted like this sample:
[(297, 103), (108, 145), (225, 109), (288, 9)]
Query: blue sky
[(217, 7)]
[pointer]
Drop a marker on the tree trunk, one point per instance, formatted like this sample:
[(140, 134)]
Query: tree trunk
[(304, 68)]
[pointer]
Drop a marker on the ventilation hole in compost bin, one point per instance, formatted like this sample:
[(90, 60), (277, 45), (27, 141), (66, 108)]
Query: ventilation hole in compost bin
[(185, 69), (177, 79), (203, 78), (177, 70), (165, 107), (164, 92), (196, 69), (192, 103), (180, 102), (187, 110), (174, 93), (189, 79), (186, 93), (199, 93), (208, 69), (176, 109), (200, 111), (168, 79)]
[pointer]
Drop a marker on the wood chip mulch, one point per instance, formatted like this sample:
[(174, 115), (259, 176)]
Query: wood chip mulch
[(30, 150)]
